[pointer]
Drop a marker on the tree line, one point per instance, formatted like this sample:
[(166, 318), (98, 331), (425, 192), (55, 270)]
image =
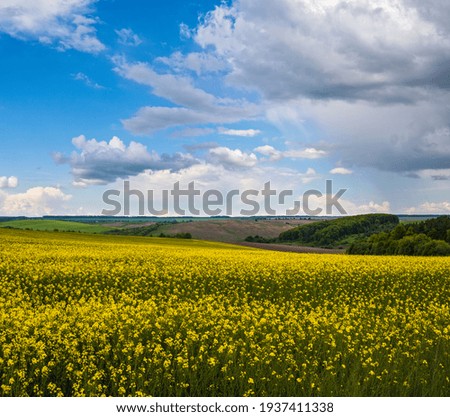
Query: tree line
[(330, 232), (428, 238)]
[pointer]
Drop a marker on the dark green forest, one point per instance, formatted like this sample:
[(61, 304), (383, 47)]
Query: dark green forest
[(427, 238), (339, 231)]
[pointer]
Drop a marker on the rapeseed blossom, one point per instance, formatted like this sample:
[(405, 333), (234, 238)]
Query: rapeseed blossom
[(85, 315)]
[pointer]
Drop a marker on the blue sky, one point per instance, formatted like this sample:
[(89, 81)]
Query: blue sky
[(226, 94)]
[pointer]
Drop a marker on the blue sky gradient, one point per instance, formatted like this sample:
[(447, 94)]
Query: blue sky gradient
[(226, 94)]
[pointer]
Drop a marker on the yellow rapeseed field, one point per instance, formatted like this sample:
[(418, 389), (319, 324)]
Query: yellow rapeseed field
[(85, 315)]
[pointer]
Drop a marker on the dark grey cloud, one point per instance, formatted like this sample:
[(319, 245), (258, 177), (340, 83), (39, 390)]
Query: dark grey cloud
[(436, 12), (401, 138), (380, 51), (410, 154)]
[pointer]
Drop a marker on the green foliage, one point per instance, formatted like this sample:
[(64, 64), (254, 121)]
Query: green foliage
[(331, 232), (436, 229), (183, 235), (148, 231), (136, 231), (259, 239), (428, 238)]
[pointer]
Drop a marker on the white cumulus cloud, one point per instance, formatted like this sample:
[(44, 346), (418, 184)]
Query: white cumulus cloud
[(442, 207), (9, 182), (36, 201), (232, 157), (67, 24), (341, 171), (102, 162), (350, 207), (246, 133), (275, 154)]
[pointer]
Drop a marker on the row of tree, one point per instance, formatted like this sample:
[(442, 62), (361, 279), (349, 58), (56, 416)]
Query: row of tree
[(331, 232), (428, 238), (149, 230)]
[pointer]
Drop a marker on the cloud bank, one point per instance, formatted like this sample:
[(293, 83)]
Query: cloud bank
[(373, 76)]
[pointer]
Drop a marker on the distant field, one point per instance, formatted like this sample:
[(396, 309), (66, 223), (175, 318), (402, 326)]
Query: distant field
[(231, 230), (55, 225), (218, 230)]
